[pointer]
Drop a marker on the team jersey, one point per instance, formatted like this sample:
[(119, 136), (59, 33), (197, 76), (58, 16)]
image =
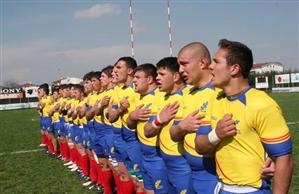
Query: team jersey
[(261, 129), (167, 145), (68, 102), (196, 99), (147, 101), (61, 101), (55, 116), (74, 104), (83, 120), (114, 102), (132, 97), (98, 118), (47, 105), (107, 93)]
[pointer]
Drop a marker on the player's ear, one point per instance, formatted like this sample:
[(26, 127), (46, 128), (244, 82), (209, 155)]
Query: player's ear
[(131, 71), (235, 70), (176, 77)]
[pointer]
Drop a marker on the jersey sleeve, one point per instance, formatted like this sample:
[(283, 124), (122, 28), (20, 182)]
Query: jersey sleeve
[(273, 131), (206, 126)]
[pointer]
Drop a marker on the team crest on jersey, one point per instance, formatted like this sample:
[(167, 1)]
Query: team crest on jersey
[(158, 184), (148, 105), (204, 106), (135, 167), (213, 118), (184, 191)]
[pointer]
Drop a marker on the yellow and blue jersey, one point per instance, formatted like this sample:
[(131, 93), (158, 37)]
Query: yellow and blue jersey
[(74, 104), (147, 101), (98, 118), (167, 145), (132, 97), (261, 129), (83, 120), (55, 116), (197, 99), (114, 102), (107, 93), (47, 105)]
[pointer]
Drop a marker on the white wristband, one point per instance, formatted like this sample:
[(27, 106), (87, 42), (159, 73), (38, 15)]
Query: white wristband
[(213, 138), (156, 126), (158, 118)]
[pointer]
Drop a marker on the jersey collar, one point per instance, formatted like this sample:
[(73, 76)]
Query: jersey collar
[(241, 97)]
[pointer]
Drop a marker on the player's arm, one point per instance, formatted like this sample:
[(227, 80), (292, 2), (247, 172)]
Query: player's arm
[(207, 139), (102, 105), (139, 114), (188, 125), (168, 112), (283, 173), (116, 111)]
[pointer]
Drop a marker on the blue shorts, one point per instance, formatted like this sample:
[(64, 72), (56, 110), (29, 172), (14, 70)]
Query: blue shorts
[(63, 130), (78, 132), (135, 156), (120, 150), (56, 127), (179, 173), (203, 186), (99, 139), (47, 124), (85, 137), (70, 133)]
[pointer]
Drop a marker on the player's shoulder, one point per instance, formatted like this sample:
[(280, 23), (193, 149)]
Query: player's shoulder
[(258, 99)]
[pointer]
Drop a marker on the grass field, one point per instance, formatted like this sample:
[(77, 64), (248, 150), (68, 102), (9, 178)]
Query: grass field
[(35, 172)]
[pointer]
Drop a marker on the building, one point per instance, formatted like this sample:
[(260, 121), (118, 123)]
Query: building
[(261, 68)]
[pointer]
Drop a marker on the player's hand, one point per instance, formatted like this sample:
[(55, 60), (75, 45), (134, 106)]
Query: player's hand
[(168, 112), (124, 104), (192, 122), (226, 127), (140, 113), (105, 101), (268, 169)]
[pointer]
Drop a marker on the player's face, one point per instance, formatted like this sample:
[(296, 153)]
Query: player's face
[(77, 95), (56, 95), (165, 80), (40, 93), (105, 80), (72, 92), (121, 71), (113, 74), (189, 67), (220, 69), (96, 84), (87, 86), (141, 82)]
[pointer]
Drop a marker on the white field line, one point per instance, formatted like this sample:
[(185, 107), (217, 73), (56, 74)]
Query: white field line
[(293, 123), (20, 152)]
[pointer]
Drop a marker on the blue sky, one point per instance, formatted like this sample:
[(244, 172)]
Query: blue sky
[(43, 40)]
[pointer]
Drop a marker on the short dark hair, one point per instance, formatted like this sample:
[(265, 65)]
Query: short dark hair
[(87, 76), (96, 74), (170, 63), (148, 69), (78, 87), (108, 70), (130, 62), (44, 87), (238, 53)]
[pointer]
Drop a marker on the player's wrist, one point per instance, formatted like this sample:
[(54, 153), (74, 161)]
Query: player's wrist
[(213, 138)]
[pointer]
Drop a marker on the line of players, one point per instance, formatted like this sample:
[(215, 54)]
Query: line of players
[(168, 129)]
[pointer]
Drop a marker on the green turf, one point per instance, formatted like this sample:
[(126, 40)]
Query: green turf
[(26, 172)]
